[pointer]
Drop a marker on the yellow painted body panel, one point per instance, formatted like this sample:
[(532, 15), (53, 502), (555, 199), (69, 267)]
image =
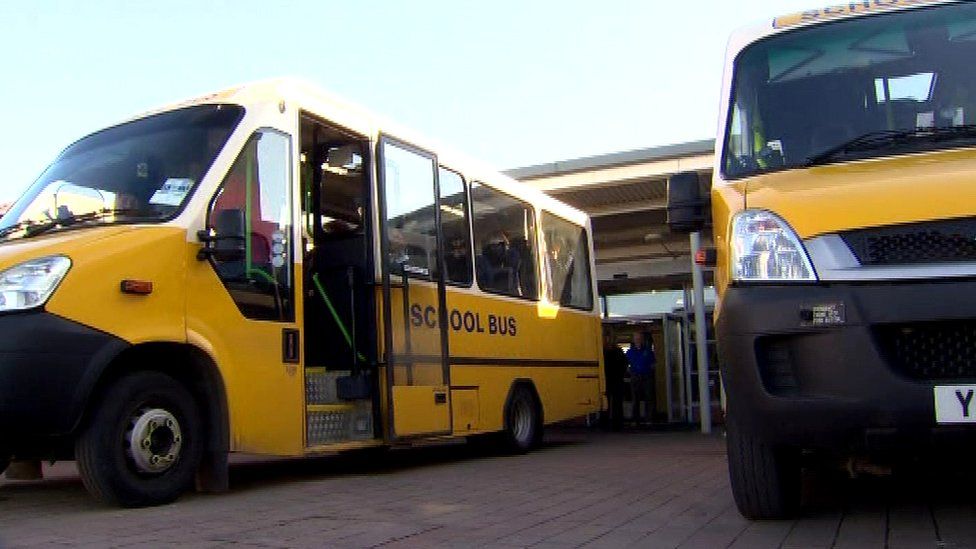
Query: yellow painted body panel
[(566, 393), (436, 416), (69, 243), (501, 331), (265, 396), (488, 336), (868, 193), (568, 335), (91, 294), (483, 325), (465, 410)]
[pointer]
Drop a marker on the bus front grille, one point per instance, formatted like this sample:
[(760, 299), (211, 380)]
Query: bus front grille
[(931, 351), (944, 241)]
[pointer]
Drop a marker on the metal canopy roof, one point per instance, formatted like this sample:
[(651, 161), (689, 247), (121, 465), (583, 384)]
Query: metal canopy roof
[(625, 194), (590, 163)]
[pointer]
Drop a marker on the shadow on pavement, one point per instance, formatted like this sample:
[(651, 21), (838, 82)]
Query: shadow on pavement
[(924, 484), (62, 487), (372, 461)]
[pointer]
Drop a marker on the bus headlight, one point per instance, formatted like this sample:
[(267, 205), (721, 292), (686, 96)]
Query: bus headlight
[(31, 283), (766, 249)]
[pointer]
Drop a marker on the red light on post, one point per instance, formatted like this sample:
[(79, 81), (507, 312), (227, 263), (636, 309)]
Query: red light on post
[(705, 257)]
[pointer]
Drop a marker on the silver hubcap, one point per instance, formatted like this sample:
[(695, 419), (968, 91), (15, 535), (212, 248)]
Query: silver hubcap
[(522, 422), (154, 440)]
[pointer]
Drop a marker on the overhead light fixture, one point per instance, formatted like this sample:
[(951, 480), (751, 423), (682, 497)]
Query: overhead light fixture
[(452, 210), (338, 170)]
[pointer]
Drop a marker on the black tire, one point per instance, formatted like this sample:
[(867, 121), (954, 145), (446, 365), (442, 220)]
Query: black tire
[(4, 462), (766, 480), (523, 421), (115, 472)]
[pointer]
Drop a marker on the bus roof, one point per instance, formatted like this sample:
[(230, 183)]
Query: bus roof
[(318, 102), (855, 8)]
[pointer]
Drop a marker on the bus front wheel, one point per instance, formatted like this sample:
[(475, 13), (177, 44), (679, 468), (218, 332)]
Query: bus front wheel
[(523, 421), (142, 445), (766, 479)]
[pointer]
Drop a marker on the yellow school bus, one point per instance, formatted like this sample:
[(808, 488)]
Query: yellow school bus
[(843, 206), (271, 270)]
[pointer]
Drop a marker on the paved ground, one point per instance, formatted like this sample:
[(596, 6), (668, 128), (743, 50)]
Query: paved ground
[(584, 488)]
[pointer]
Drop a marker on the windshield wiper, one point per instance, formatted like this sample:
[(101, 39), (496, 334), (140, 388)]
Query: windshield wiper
[(35, 229), (890, 138)]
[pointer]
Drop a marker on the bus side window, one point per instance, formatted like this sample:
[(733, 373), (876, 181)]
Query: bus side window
[(455, 228), (252, 213), (504, 234), (567, 263)]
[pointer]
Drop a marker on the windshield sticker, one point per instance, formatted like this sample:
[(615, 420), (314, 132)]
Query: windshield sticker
[(925, 120), (172, 193), (958, 116), (860, 7)]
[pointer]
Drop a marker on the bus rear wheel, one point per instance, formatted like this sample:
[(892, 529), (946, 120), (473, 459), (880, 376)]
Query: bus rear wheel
[(143, 444), (523, 421)]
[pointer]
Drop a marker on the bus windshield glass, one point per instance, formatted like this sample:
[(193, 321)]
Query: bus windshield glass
[(138, 172), (859, 88)]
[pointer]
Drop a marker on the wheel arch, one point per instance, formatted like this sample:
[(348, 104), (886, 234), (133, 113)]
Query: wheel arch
[(530, 386), (198, 372)]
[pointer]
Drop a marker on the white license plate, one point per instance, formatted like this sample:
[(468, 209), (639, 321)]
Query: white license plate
[(955, 403)]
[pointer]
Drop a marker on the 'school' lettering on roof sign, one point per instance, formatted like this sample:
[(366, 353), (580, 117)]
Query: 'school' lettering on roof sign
[(860, 7)]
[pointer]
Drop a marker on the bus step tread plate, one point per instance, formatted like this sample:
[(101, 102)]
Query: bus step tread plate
[(320, 386), (330, 423)]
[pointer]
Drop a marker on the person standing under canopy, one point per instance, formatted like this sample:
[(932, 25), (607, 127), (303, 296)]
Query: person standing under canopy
[(642, 361)]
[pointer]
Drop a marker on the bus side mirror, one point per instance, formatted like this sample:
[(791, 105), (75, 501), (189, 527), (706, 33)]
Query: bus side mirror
[(226, 242), (687, 204)]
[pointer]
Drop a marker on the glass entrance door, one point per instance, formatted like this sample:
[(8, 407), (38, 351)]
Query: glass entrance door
[(414, 317)]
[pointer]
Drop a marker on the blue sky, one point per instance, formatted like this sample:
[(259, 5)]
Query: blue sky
[(511, 82)]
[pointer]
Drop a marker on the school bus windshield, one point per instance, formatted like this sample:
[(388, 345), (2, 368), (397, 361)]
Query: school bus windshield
[(141, 171), (859, 88)]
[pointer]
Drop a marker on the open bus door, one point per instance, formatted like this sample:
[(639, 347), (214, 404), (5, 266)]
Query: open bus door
[(414, 300)]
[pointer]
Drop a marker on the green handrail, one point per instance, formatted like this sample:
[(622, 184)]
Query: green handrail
[(335, 315), (264, 275)]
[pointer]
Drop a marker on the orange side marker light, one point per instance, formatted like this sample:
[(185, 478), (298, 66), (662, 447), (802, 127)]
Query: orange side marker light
[(137, 287)]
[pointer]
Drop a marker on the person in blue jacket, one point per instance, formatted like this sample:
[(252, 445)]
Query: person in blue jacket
[(641, 361)]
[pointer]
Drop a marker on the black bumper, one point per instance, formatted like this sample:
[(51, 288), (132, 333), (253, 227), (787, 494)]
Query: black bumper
[(48, 367), (838, 384)]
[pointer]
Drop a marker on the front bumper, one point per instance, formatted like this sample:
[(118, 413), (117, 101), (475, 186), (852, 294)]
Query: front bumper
[(835, 384), (48, 367)]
